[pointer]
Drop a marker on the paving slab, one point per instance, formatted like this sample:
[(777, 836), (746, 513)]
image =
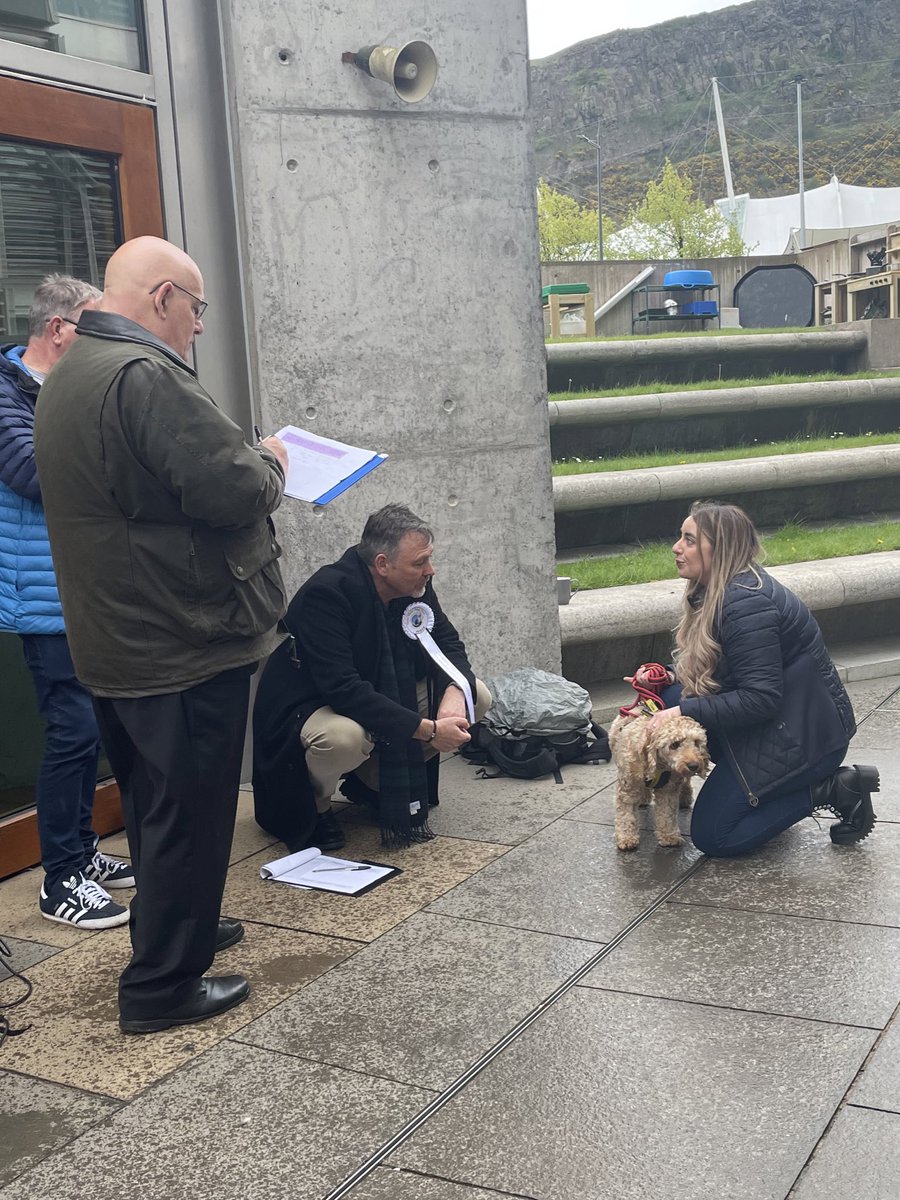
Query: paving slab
[(391, 1183), (23, 955), (879, 730), (238, 1121), (879, 1084), (424, 1001), (509, 810), (630, 1097), (869, 694), (601, 809), (38, 1118), (75, 1039), (801, 873), (886, 801), (428, 870), (859, 1157), (848, 974), (570, 880)]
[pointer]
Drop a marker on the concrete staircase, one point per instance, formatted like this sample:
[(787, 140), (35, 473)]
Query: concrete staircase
[(605, 633)]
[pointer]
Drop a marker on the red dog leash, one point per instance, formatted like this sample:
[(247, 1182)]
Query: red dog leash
[(648, 681)]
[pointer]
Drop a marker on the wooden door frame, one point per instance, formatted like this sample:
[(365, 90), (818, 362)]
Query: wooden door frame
[(37, 112), (58, 116)]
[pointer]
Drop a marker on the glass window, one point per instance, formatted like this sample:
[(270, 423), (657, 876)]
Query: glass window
[(59, 211), (109, 31)]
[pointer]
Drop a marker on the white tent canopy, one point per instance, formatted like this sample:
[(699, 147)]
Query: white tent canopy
[(842, 208)]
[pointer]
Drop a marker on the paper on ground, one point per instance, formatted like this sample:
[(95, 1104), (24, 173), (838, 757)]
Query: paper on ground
[(318, 466), (311, 868)]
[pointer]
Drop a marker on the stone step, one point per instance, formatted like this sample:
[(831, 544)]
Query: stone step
[(608, 507), (585, 364), (605, 632), (647, 485), (604, 426), (654, 406)]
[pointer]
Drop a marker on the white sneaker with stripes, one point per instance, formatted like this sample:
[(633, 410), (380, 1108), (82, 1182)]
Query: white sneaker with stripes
[(81, 902)]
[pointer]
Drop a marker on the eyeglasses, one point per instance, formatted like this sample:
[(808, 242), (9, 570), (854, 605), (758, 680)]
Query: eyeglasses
[(202, 305), (68, 320)]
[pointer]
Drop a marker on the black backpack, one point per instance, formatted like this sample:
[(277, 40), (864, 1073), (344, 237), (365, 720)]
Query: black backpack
[(533, 755)]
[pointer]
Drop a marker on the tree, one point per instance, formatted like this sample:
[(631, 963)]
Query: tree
[(670, 223), (566, 230)]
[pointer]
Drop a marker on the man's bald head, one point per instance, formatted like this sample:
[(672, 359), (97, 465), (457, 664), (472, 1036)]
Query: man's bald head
[(155, 284)]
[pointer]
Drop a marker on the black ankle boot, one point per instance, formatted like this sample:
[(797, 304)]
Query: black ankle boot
[(328, 834), (848, 794)]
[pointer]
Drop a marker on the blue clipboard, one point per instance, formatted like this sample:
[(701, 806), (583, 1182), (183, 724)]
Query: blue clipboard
[(375, 461)]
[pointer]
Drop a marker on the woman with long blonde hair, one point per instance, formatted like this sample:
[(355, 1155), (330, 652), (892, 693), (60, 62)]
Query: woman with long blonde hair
[(752, 668)]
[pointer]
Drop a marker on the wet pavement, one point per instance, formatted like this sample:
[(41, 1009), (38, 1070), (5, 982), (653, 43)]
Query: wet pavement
[(523, 1012)]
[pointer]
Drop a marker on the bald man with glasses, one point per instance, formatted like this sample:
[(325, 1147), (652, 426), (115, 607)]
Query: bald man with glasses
[(159, 521)]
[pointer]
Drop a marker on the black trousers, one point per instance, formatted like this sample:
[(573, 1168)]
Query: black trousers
[(177, 760)]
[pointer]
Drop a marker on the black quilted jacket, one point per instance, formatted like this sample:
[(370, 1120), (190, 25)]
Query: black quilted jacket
[(782, 706)]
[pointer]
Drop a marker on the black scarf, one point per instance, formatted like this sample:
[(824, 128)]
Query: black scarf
[(402, 779)]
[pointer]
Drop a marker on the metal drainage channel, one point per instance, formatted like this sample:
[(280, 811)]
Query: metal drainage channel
[(479, 1065)]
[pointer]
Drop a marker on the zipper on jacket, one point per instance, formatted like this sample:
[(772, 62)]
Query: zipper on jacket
[(751, 798)]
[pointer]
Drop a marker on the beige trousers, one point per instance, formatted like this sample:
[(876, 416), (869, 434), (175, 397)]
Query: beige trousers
[(335, 745)]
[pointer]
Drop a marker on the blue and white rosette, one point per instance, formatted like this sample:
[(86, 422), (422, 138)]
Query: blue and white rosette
[(418, 622)]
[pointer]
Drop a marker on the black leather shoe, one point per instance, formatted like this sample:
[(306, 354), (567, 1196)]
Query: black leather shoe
[(215, 994), (848, 794), (327, 834), (229, 933)]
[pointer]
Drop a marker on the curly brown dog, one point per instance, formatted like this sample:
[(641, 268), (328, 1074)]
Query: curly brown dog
[(655, 762)]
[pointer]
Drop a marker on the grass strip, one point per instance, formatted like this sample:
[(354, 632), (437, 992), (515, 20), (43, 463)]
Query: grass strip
[(793, 543), (658, 387), (677, 458)]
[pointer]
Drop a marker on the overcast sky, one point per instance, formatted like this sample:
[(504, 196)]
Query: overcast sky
[(555, 24)]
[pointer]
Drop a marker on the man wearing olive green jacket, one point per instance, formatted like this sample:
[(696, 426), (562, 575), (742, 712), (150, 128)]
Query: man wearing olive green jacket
[(166, 560)]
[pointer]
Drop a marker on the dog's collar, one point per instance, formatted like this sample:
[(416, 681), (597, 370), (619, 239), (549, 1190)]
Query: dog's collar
[(659, 780)]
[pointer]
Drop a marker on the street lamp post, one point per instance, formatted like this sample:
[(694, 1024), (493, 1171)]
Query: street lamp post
[(800, 185), (596, 145)]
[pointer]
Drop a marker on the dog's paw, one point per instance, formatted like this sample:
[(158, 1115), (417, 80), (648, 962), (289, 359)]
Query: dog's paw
[(686, 801), (671, 839), (628, 843)]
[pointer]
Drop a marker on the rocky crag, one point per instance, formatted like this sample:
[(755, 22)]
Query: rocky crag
[(648, 92)]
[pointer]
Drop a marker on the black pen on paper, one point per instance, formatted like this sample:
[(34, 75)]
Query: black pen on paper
[(319, 870)]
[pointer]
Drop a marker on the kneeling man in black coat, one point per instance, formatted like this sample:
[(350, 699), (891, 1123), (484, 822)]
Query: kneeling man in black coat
[(355, 694)]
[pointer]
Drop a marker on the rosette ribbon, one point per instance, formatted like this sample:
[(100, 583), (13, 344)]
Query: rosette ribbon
[(418, 622)]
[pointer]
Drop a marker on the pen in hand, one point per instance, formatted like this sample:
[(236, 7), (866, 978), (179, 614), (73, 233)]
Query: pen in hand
[(257, 433)]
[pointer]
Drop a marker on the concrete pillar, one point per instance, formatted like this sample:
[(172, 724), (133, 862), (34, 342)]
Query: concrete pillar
[(392, 281)]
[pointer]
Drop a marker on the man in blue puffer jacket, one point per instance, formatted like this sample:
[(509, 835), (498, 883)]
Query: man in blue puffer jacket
[(29, 606)]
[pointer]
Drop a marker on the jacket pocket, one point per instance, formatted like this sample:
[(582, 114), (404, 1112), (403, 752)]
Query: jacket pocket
[(258, 597)]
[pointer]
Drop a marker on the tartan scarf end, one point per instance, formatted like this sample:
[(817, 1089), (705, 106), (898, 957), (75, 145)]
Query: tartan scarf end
[(393, 837)]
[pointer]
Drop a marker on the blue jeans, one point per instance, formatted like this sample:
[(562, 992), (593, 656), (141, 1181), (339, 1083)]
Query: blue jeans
[(724, 824), (68, 772)]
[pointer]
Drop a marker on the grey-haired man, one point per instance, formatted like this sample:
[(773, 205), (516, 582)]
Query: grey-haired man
[(76, 875)]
